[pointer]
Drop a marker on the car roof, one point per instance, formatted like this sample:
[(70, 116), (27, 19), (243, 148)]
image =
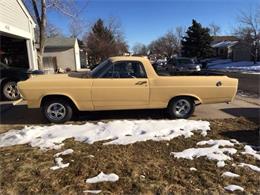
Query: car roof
[(127, 58)]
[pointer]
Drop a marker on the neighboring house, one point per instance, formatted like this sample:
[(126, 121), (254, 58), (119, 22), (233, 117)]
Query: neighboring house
[(222, 46), (17, 35), (241, 52), (61, 54), (230, 47)]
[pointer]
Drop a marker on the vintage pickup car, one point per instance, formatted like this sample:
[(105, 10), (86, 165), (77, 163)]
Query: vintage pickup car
[(123, 83)]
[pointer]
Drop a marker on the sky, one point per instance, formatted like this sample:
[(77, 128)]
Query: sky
[(142, 21)]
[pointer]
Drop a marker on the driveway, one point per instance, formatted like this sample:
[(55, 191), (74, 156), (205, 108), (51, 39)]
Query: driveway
[(240, 107)]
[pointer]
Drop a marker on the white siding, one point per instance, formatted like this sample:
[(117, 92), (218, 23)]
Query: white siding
[(77, 55), (65, 59), (12, 14), (15, 20)]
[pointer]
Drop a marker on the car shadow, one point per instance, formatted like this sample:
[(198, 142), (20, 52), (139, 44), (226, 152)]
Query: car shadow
[(122, 114), (249, 137), (20, 114), (252, 114)]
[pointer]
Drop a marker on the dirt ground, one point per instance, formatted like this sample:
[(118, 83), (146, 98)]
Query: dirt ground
[(143, 168)]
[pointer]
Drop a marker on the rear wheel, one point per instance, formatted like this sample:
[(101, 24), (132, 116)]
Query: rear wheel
[(10, 91), (57, 111), (181, 107)]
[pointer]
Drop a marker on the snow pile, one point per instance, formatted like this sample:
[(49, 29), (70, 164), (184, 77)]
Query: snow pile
[(220, 142), (230, 174), (59, 164), (101, 177), (253, 167), (247, 66), (65, 152), (58, 160), (249, 150), (212, 153), (92, 191), (119, 131), (233, 188), (221, 163), (193, 169)]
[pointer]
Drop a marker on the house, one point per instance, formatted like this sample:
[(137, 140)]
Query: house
[(241, 52), (17, 35), (230, 47), (61, 54), (222, 46)]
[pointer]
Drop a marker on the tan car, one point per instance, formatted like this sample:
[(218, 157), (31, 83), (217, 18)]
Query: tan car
[(121, 83)]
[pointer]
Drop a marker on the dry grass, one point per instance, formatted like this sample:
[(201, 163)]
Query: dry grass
[(144, 167)]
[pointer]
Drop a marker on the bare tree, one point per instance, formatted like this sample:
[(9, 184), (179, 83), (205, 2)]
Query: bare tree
[(249, 30), (76, 27), (140, 49), (52, 31), (214, 29), (40, 9), (169, 44)]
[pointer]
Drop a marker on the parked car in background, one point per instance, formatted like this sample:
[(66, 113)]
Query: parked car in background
[(159, 65), (178, 65), (9, 78), (123, 83)]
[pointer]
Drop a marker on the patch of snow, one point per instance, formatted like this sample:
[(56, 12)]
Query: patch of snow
[(101, 177), (59, 164), (51, 137), (241, 66), (65, 152), (253, 167), (142, 176), (212, 153), (193, 169), (230, 174), (221, 163), (216, 142), (92, 191), (233, 188), (249, 150)]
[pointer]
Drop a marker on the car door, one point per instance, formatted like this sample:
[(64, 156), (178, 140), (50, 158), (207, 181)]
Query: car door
[(123, 86)]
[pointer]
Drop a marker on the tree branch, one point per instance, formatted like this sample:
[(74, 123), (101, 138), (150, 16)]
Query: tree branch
[(36, 12)]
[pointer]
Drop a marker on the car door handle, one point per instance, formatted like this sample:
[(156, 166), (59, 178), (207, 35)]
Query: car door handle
[(219, 83), (141, 82)]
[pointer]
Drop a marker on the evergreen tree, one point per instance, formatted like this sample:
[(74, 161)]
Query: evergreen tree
[(197, 41), (101, 43)]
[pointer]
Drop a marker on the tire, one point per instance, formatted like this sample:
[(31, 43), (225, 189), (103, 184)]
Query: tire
[(9, 91), (181, 107), (57, 110)]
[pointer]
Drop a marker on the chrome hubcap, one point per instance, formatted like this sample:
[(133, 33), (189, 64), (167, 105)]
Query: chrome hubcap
[(56, 111), (182, 107), (10, 90)]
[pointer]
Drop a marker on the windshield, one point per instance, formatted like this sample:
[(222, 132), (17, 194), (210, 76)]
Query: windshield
[(101, 69)]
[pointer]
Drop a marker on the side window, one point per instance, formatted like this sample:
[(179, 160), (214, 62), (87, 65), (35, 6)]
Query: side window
[(129, 69)]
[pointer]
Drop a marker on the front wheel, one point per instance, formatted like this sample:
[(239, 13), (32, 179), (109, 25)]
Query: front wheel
[(57, 111), (181, 107), (10, 91)]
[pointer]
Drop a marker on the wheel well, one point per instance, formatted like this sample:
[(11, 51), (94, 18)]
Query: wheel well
[(195, 99), (5, 80), (59, 97)]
